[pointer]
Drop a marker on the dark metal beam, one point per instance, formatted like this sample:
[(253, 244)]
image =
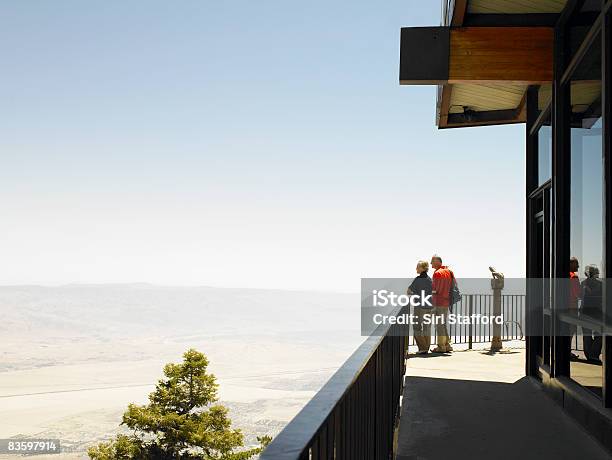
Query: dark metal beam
[(607, 217), (424, 55), (561, 177), (531, 183)]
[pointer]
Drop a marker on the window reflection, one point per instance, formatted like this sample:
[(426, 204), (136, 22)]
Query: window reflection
[(586, 220), (544, 96), (544, 152), (580, 24)]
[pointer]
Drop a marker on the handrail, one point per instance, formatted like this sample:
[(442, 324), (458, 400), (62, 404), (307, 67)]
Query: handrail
[(355, 413), (289, 444), (348, 403), (513, 310)]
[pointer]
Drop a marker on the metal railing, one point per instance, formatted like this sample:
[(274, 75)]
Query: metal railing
[(513, 311), (354, 415)]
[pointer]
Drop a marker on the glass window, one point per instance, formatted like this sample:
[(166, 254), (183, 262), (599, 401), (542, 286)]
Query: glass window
[(545, 151), (544, 135), (586, 219), (587, 160)]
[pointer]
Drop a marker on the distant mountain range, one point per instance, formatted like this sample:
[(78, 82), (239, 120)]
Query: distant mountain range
[(109, 311)]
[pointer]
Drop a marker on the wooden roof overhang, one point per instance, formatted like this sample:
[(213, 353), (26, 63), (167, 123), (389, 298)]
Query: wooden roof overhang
[(483, 58)]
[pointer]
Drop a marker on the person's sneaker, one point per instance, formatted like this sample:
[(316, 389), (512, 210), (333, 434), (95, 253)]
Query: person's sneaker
[(422, 352)]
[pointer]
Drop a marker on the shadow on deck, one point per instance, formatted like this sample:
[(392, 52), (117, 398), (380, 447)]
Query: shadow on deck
[(476, 405)]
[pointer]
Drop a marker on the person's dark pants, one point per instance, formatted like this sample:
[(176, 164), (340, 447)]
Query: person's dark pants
[(592, 343)]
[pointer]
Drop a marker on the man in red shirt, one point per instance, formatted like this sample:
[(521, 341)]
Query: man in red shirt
[(442, 283)]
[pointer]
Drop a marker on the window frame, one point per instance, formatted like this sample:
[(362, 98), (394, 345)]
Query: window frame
[(565, 67)]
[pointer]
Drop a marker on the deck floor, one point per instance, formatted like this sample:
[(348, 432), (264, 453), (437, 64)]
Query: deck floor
[(476, 405)]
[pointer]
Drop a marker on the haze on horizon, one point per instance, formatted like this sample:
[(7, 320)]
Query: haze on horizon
[(240, 144)]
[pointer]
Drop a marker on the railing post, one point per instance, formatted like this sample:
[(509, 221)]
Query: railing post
[(470, 313)]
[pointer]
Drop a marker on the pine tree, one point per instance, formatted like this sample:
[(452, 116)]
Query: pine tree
[(182, 421)]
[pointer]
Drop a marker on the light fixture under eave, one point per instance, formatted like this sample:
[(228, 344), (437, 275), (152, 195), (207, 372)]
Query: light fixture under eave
[(469, 114)]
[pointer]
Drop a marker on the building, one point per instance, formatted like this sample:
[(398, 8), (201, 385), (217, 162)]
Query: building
[(547, 64)]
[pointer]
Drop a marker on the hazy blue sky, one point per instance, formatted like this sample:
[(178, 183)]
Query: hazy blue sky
[(238, 143)]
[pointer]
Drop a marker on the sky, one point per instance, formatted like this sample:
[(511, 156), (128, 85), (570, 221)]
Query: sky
[(252, 144)]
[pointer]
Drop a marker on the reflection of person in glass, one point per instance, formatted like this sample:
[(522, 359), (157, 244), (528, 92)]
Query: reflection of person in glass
[(591, 306), (574, 284), (574, 295)]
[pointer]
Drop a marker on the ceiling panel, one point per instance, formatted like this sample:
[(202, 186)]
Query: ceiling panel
[(484, 97), (515, 6), (584, 94)]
